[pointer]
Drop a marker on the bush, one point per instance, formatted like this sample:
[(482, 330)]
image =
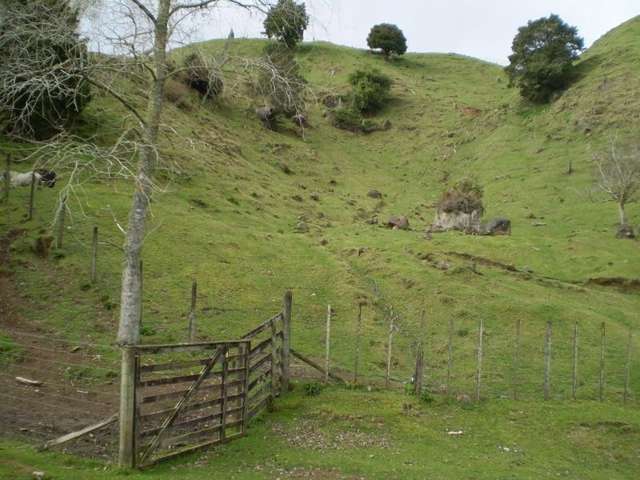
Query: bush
[(202, 77), (286, 22), (542, 61), (465, 197), (42, 79), (177, 93), (313, 389), (388, 38), (348, 119), (370, 90)]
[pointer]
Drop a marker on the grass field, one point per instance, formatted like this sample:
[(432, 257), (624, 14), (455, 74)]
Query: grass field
[(227, 216)]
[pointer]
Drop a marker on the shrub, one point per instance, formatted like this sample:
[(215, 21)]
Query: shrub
[(465, 197), (370, 90), (542, 61), (286, 22), (177, 93), (202, 77), (42, 78), (313, 389), (388, 38), (349, 119)]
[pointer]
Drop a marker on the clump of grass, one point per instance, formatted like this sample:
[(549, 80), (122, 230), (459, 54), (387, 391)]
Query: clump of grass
[(10, 351)]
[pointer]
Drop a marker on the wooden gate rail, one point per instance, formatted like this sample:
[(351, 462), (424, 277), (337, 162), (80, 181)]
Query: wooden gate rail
[(178, 398)]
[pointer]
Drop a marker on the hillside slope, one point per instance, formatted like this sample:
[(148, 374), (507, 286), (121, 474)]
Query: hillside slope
[(228, 213)]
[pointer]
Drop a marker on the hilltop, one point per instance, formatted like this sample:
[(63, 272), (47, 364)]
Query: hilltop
[(233, 196)]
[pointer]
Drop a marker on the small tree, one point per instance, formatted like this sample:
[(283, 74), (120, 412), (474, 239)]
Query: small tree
[(370, 90), (42, 77), (286, 22), (388, 38), (543, 54), (202, 77), (618, 176)]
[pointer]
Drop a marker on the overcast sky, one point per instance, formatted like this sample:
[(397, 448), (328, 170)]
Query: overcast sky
[(479, 28)]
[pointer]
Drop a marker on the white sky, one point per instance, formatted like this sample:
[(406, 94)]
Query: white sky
[(479, 28)]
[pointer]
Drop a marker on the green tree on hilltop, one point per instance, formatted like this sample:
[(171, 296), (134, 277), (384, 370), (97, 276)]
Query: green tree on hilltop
[(388, 38), (543, 54), (286, 22)]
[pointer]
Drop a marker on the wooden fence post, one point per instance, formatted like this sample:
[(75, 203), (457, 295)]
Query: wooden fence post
[(192, 311), (32, 194), (449, 356), (547, 362), (602, 355), (627, 368), (274, 359), (246, 351), (574, 370), (389, 350), (127, 450), (516, 359), (59, 222), (224, 393), (94, 255), (418, 376), (358, 341), (479, 366), (286, 340), (327, 345)]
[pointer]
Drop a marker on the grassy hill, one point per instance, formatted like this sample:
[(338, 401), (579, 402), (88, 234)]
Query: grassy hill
[(233, 194)]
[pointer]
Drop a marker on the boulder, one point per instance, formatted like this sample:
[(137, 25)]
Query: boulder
[(497, 226), (458, 220), (374, 194), (398, 223)]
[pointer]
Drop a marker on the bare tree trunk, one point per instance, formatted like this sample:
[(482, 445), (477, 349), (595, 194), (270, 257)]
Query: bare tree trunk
[(623, 214), (129, 328)]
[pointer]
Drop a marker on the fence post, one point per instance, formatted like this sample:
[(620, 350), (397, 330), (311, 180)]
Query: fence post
[(274, 358), (389, 350), (450, 356), (223, 394), (246, 350), (286, 340), (32, 194), (602, 354), (574, 370), (59, 222), (547, 362), (192, 311), (516, 359), (127, 450), (358, 335), (141, 267), (327, 353), (479, 367), (94, 255), (627, 368), (419, 372)]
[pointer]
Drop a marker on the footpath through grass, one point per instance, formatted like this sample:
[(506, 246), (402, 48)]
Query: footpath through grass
[(352, 434)]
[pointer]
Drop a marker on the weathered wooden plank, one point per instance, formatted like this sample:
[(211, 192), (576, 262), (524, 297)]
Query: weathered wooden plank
[(160, 397), (259, 363), (195, 448), (261, 347), (183, 378), (189, 408), (184, 347), (259, 406), (192, 421), (80, 433), (257, 380), (262, 327), (160, 367), (314, 365), (265, 387), (191, 436)]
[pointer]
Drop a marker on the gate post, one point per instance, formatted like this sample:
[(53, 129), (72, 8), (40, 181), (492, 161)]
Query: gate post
[(127, 449), (286, 341)]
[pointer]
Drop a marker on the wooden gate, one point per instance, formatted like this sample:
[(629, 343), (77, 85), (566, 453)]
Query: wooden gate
[(185, 397)]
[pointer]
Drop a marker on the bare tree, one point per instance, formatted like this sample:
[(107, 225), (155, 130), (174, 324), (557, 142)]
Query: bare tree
[(618, 176)]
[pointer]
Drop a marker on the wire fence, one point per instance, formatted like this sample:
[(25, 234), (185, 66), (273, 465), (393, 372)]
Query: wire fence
[(555, 360)]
